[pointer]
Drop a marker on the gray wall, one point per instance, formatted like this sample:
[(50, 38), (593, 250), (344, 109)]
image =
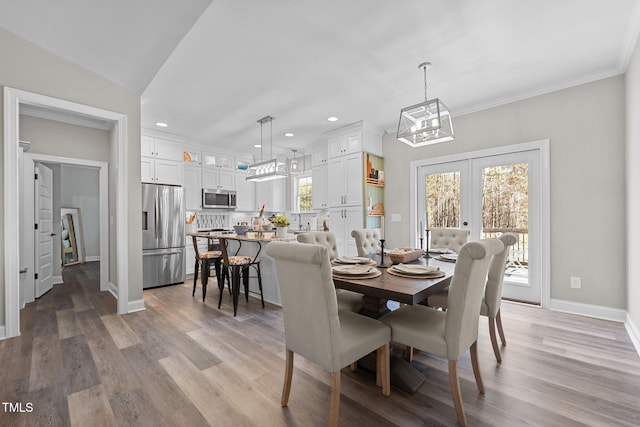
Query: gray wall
[(29, 67), (585, 126), (633, 187), (80, 188)]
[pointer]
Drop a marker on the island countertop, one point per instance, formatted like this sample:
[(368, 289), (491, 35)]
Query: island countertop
[(249, 236)]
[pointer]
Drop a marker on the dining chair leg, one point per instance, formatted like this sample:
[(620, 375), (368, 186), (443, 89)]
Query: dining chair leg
[(494, 340), (454, 383), (500, 330), (205, 277), (260, 284), (195, 277), (223, 274), (235, 284), (245, 282), (379, 367), (476, 366), (217, 265), (383, 369), (334, 410), (288, 374)]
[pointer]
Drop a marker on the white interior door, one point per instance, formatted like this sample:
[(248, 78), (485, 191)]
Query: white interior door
[(44, 232)]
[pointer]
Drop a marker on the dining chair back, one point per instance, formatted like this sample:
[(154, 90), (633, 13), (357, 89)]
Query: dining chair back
[(313, 325), (205, 260), (347, 300), (367, 241), (449, 334), (448, 238), (324, 238)]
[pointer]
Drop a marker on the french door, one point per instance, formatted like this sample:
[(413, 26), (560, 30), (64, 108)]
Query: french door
[(491, 195)]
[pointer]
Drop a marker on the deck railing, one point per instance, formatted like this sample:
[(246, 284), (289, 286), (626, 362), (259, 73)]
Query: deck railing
[(519, 252)]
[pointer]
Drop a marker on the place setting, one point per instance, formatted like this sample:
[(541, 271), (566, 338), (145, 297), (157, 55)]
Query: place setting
[(356, 271), (448, 257), (415, 271), (351, 260)]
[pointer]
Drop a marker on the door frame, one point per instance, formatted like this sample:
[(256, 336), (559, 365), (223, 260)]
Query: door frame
[(542, 146), (13, 98)]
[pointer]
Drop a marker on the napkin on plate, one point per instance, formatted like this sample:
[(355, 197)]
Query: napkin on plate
[(353, 259), (354, 269), (441, 251), (415, 268)]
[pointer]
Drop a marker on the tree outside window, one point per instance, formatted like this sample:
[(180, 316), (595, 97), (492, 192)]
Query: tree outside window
[(303, 193)]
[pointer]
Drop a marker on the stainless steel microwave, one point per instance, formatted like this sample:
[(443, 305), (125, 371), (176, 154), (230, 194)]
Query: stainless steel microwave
[(218, 199)]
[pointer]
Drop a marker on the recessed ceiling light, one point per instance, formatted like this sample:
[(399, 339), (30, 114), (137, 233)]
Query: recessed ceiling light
[(333, 119), (257, 145), (288, 134), (161, 124)]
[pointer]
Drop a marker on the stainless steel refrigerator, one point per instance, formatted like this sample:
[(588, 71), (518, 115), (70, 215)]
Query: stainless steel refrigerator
[(162, 235)]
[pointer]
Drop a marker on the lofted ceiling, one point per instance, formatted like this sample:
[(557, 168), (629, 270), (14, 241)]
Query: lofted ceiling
[(212, 72)]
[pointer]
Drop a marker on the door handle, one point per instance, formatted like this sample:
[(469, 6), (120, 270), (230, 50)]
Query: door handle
[(23, 270), (465, 223), (53, 234)]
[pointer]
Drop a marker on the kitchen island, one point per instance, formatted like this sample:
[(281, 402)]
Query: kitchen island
[(254, 243)]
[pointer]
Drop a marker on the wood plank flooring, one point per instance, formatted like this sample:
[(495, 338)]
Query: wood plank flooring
[(184, 362)]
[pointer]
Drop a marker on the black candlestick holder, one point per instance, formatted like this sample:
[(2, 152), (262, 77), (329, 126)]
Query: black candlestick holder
[(381, 265), (426, 251), (421, 243)]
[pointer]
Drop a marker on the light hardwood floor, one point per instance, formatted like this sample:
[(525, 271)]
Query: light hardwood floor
[(184, 362)]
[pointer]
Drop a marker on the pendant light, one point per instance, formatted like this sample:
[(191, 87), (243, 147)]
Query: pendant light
[(270, 169), (294, 166), (426, 123)]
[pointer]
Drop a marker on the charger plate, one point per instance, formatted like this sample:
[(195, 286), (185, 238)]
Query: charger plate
[(434, 275), (373, 274)]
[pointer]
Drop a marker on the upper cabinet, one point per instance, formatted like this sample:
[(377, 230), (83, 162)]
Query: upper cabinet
[(354, 138), (319, 156), (161, 161), (216, 160), (192, 156)]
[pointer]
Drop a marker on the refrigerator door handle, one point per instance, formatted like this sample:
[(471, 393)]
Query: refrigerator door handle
[(157, 215)]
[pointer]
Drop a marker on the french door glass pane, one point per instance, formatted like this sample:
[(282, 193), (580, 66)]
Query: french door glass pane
[(505, 209), (443, 199)]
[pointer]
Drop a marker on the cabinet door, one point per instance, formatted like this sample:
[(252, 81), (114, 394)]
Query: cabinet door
[(335, 182), (194, 153), (192, 187), (353, 176), (210, 179), (278, 194), (168, 150), (208, 159), (245, 193), (168, 172), (225, 161), (352, 143), (353, 220), (147, 172), (335, 146), (336, 223), (146, 146), (319, 186), (319, 157), (227, 179)]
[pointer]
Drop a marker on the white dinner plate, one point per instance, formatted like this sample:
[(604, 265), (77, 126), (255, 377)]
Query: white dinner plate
[(354, 270), (353, 260)]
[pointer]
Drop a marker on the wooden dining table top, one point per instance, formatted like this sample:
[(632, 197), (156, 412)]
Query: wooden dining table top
[(401, 289)]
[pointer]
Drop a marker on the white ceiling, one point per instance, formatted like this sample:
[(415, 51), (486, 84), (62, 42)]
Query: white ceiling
[(303, 61)]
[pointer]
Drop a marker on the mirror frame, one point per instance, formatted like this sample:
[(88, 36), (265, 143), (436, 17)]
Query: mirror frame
[(76, 217)]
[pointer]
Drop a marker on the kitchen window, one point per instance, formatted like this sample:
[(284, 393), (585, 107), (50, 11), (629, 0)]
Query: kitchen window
[(302, 193)]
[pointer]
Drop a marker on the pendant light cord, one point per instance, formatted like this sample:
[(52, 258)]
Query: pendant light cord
[(425, 82)]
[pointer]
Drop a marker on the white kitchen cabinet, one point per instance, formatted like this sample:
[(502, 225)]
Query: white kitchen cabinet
[(159, 148), (341, 222), (217, 160), (319, 156), (159, 171), (192, 156), (320, 194), (192, 187), (190, 256), (272, 194), (218, 179), (245, 192), (344, 144), (360, 136), (345, 181)]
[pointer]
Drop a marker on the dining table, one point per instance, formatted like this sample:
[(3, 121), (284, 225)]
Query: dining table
[(377, 291)]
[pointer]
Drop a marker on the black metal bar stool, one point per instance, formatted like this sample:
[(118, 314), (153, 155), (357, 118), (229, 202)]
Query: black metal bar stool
[(236, 267), (204, 260)]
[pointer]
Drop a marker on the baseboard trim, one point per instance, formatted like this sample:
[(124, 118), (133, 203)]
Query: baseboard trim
[(589, 310), (92, 258), (3, 332), (113, 290), (57, 280), (634, 333), (137, 305)]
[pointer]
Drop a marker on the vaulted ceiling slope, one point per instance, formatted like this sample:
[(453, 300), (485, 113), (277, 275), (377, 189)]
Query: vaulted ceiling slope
[(123, 41), (303, 61)]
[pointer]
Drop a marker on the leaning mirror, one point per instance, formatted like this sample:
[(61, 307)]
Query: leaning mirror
[(71, 236)]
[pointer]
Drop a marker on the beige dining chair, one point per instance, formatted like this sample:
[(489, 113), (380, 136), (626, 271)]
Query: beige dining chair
[(450, 333), (347, 300), (492, 293), (367, 241), (314, 327), (448, 238)]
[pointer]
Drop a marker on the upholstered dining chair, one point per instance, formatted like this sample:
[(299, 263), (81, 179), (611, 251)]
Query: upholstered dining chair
[(448, 238), (367, 241), (347, 300), (492, 293), (450, 333), (205, 260), (314, 327), (234, 268)]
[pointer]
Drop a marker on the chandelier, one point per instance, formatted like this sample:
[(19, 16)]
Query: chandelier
[(270, 169)]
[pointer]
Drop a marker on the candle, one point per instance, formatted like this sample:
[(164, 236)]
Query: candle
[(382, 227), (420, 230)]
